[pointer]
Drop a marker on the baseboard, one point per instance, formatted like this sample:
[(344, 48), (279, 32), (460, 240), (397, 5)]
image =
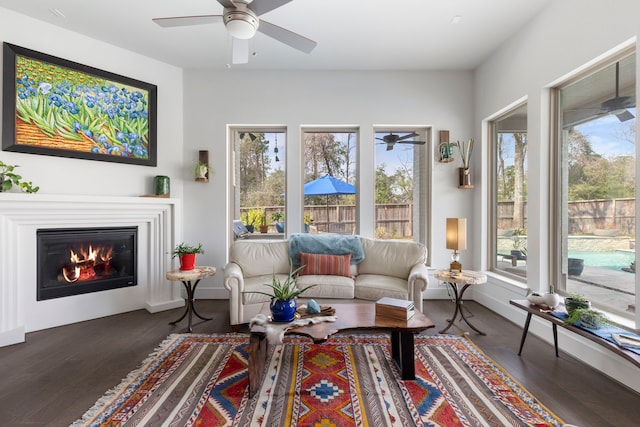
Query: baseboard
[(167, 305), (14, 336)]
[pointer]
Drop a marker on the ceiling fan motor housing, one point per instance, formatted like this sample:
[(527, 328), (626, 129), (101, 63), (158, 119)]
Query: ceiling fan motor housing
[(241, 22)]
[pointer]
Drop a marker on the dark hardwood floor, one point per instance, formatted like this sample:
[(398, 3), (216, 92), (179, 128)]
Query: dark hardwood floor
[(53, 378)]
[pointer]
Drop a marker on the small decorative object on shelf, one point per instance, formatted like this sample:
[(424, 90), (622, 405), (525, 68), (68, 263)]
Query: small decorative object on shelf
[(202, 168), (162, 186), (445, 148), (187, 255), (464, 172)]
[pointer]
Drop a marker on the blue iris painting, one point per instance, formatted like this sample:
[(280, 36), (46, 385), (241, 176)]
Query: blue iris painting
[(62, 108)]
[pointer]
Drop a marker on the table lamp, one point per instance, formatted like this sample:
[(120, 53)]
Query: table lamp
[(456, 240)]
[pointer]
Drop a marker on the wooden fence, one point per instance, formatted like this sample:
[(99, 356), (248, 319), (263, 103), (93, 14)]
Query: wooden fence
[(587, 216), (392, 220)]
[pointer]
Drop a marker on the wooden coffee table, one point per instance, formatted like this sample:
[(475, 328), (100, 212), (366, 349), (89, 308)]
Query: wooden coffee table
[(350, 316)]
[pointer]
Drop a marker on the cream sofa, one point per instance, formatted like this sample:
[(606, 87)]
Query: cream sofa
[(390, 268)]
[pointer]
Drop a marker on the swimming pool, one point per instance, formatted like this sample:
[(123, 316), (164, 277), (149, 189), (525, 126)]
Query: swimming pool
[(609, 260)]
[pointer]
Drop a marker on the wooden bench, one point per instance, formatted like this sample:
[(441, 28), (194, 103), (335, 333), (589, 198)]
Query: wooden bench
[(536, 310)]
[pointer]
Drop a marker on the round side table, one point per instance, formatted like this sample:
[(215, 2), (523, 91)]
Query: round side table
[(190, 280), (465, 278)]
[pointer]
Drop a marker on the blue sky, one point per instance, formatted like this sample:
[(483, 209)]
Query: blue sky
[(607, 135)]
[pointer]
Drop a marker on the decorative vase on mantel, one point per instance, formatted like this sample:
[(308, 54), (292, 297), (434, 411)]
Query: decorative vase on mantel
[(465, 177)]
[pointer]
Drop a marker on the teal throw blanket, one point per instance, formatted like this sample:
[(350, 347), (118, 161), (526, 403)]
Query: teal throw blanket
[(332, 244)]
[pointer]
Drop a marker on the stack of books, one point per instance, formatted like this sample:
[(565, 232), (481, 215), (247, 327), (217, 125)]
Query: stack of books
[(395, 308), (627, 340)]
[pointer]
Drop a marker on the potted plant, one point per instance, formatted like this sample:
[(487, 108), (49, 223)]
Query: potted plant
[(249, 221), (262, 221), (201, 171), (283, 295), (8, 179), (277, 217), (308, 220), (588, 317), (187, 255), (574, 302)]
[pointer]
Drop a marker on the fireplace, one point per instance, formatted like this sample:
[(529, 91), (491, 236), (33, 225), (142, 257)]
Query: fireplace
[(75, 261)]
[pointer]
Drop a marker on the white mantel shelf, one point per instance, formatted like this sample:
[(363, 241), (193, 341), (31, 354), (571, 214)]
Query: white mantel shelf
[(21, 215)]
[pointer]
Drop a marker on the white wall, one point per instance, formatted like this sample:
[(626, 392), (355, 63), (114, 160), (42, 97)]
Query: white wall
[(214, 100), (57, 175), (565, 37)]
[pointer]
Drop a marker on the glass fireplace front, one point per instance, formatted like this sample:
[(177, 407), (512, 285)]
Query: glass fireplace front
[(82, 260)]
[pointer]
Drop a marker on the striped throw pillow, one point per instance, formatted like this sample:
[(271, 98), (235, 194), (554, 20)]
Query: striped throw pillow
[(330, 265)]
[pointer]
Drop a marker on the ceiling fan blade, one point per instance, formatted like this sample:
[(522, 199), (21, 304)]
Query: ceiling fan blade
[(239, 51), (263, 6), (624, 116), (412, 142), (183, 21), (227, 4), (287, 37), (411, 135)]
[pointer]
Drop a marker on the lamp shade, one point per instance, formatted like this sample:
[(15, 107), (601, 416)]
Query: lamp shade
[(457, 233)]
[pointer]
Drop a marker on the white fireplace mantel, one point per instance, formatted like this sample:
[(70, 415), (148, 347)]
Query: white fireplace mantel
[(21, 215)]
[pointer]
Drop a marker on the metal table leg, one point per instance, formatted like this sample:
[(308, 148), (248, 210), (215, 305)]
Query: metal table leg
[(458, 308)]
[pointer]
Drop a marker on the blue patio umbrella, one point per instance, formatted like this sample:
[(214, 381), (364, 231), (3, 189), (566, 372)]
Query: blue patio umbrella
[(328, 186)]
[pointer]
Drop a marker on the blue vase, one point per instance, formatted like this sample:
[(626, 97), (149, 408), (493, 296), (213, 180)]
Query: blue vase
[(283, 311)]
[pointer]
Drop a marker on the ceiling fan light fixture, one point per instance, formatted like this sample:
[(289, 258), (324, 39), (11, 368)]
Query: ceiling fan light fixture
[(241, 24)]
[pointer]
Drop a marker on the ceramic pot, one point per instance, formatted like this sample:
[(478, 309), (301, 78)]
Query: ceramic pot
[(551, 300), (280, 227), (536, 299), (283, 311), (571, 304), (575, 266), (187, 262)]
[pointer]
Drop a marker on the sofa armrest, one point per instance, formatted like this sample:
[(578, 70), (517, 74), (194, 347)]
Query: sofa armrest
[(234, 282), (417, 282), (233, 277)]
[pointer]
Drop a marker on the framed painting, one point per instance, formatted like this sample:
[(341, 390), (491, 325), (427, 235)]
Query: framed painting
[(57, 107)]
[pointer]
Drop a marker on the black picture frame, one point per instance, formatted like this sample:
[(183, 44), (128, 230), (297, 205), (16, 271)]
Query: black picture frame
[(56, 107)]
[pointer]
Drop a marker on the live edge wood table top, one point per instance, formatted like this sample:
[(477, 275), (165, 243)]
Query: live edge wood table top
[(349, 316), (542, 312)]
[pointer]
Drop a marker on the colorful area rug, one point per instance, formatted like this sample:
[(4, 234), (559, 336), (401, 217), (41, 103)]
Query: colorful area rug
[(349, 380)]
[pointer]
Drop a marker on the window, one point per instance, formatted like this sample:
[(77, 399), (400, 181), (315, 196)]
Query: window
[(259, 181), (400, 184), (509, 237), (596, 164), (330, 166)]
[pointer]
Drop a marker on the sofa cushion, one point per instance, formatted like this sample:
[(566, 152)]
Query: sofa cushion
[(328, 286), (391, 257), (260, 258), (372, 287), (331, 265)]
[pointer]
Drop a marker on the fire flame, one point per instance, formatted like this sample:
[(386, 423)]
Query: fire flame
[(83, 263)]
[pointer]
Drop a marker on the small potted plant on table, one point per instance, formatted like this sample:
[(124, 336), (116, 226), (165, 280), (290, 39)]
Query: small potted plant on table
[(187, 255), (283, 295), (574, 302)]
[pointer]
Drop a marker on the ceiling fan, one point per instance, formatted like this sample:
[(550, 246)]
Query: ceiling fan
[(241, 19), (393, 139), (619, 104)]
